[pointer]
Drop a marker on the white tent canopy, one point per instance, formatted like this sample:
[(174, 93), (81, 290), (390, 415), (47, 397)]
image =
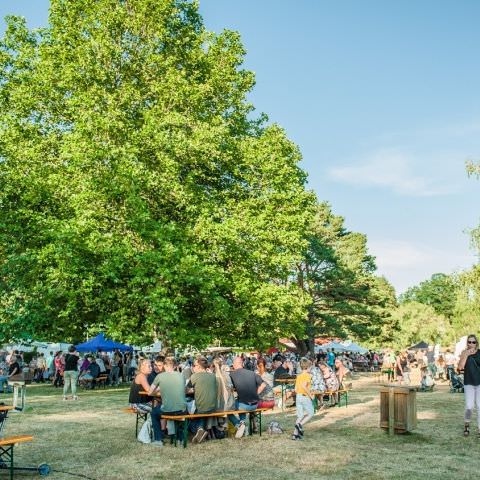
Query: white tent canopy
[(354, 347), (337, 347)]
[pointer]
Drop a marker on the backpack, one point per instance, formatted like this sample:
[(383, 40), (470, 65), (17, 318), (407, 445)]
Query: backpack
[(274, 428), (146, 432)]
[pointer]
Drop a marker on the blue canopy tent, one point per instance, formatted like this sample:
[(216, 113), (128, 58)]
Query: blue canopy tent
[(101, 343)]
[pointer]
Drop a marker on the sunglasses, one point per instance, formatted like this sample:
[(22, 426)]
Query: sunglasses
[(472, 341)]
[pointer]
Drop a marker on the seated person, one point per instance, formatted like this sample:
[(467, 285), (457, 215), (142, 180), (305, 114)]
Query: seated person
[(341, 371), (158, 367), (91, 373), (427, 381), (3, 378), (329, 377), (267, 397), (204, 386), (248, 386), (280, 369), (171, 386), (142, 403), (318, 383)]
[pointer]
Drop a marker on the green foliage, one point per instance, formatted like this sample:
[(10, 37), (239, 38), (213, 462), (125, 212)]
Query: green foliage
[(418, 322), (439, 292), (337, 274), (138, 194), (467, 306)]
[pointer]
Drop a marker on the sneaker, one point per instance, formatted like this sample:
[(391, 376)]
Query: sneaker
[(65, 398), (203, 437), (240, 430), (75, 397), (296, 437), (157, 443), (199, 436)]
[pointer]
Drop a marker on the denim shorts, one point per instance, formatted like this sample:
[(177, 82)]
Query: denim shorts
[(304, 406)]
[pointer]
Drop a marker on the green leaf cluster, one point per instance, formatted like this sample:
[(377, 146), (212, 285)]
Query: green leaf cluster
[(138, 192)]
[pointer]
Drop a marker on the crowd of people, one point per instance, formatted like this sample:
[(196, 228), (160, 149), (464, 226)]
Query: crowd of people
[(206, 384)]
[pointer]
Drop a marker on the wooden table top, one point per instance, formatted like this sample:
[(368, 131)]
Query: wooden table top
[(6, 408), (285, 380)]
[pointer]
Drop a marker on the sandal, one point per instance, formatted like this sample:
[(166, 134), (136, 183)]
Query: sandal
[(466, 430)]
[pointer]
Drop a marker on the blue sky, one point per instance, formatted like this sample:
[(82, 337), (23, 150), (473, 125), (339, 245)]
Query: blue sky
[(382, 99)]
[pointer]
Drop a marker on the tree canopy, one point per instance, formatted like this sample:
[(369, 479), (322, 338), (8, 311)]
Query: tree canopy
[(337, 275), (138, 192)]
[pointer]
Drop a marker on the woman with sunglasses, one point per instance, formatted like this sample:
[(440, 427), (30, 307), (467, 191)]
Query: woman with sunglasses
[(470, 363)]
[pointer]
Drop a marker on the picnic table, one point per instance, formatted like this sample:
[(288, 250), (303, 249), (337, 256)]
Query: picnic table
[(283, 383)]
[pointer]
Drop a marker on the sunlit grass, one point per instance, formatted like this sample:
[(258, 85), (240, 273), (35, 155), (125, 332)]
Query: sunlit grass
[(95, 438)]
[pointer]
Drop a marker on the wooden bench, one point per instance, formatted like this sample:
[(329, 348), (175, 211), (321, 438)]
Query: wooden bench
[(342, 393), (102, 380), (183, 420), (141, 416), (6, 450)]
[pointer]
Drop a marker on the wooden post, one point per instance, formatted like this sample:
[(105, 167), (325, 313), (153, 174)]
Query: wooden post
[(391, 411)]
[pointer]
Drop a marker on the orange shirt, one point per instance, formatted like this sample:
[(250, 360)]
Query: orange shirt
[(302, 379)]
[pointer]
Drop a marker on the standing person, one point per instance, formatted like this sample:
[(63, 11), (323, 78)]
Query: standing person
[(401, 368), (59, 363), (470, 363), (40, 368), (70, 374), (50, 365), (304, 399), (450, 363), (331, 358)]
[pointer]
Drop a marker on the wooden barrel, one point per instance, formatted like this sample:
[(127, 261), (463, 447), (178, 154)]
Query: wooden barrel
[(398, 408)]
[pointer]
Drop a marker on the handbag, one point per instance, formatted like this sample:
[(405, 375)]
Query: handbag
[(145, 433)]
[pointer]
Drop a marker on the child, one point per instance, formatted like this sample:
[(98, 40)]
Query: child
[(427, 379), (304, 399)]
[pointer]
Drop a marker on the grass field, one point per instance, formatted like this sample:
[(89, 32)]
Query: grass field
[(92, 437)]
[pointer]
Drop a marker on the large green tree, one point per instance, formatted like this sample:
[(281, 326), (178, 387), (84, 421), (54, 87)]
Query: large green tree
[(338, 276), (138, 192)]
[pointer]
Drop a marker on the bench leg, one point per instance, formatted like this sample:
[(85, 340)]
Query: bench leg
[(185, 433), (6, 457), (260, 423)]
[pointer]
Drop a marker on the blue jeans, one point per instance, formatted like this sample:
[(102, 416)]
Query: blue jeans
[(156, 416), (3, 382), (241, 406), (197, 423)]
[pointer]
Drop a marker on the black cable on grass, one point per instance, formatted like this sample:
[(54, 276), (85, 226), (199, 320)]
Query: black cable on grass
[(81, 475)]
